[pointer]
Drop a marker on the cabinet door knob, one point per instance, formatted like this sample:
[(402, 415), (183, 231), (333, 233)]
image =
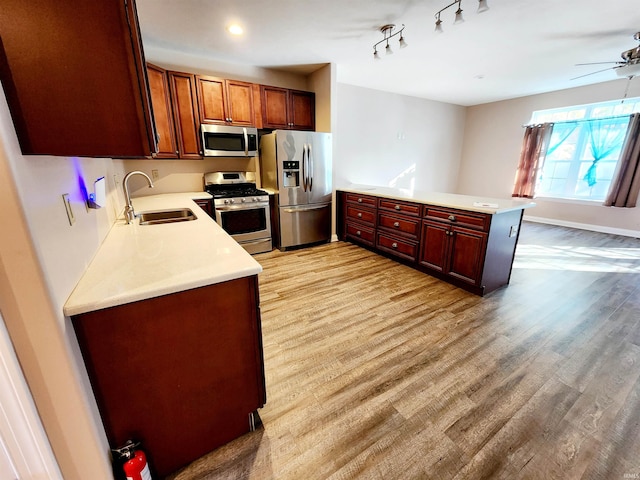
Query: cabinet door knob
[(359, 200), (359, 215), (394, 245), (452, 218), (396, 224), (397, 207), (358, 233)]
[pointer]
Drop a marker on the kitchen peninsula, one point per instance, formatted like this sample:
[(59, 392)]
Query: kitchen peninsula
[(464, 240), (168, 321)]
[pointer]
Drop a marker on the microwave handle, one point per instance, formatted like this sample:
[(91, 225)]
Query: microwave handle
[(246, 142)]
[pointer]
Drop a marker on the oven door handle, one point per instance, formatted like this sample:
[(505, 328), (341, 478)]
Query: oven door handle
[(303, 209), (244, 206)]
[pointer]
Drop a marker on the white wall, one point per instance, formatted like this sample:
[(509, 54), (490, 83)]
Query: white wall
[(492, 143), (387, 139)]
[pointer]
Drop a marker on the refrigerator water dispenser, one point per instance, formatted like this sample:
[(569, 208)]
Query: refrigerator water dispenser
[(291, 174), (291, 179)]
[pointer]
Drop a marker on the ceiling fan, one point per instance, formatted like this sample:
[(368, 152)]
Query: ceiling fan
[(628, 67)]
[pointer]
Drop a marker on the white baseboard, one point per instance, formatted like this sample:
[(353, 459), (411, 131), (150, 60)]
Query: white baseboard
[(585, 226)]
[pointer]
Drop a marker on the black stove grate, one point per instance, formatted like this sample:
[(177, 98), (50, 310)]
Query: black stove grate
[(235, 190)]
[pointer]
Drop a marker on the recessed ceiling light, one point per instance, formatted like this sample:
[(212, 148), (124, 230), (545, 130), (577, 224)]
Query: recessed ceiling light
[(235, 29)]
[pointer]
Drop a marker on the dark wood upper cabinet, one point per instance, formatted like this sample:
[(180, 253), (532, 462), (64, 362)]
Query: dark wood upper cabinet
[(75, 78), (283, 108), (302, 110), (185, 113), (163, 113), (274, 107), (240, 102), (225, 102)]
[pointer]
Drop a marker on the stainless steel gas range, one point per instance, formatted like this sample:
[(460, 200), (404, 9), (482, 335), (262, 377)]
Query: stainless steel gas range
[(241, 209)]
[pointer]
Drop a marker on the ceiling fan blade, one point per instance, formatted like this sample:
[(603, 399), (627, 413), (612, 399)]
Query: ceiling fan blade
[(592, 73), (599, 63)]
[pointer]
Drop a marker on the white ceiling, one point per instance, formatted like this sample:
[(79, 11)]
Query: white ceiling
[(516, 48)]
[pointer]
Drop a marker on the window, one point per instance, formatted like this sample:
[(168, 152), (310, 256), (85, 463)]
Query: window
[(583, 150)]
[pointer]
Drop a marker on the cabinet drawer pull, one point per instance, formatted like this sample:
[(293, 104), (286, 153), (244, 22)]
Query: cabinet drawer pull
[(359, 200), (397, 207), (359, 214), (396, 224), (394, 245), (452, 218), (358, 233)]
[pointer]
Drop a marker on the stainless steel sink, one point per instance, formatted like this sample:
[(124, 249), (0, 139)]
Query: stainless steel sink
[(166, 216)]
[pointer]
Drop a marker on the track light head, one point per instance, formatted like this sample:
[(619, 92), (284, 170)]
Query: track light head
[(387, 33), (482, 7)]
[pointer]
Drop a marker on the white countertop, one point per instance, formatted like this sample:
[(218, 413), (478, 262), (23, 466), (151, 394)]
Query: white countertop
[(452, 200), (136, 262)]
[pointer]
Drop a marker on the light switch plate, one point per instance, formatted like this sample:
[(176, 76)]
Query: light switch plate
[(513, 231), (67, 206)]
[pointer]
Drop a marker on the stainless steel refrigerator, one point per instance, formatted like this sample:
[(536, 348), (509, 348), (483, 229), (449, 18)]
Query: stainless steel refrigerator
[(297, 166)]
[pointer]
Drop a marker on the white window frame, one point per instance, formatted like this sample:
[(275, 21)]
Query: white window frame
[(601, 110)]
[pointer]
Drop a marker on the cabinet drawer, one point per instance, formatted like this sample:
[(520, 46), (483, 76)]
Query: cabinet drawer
[(360, 214), (400, 207), (401, 248), (400, 224), (458, 217), (361, 234), (361, 199)]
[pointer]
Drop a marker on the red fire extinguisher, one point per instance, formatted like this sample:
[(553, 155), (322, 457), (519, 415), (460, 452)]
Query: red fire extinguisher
[(135, 464)]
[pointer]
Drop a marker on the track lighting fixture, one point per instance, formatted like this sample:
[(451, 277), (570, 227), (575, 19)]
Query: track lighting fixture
[(386, 31), (482, 7)]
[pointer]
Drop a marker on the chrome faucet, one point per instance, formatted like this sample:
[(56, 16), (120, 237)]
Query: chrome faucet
[(129, 214)]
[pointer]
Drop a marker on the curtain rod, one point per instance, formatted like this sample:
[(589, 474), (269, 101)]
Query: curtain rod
[(581, 120)]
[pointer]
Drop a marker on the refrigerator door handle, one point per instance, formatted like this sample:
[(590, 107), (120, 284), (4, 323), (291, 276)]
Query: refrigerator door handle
[(304, 209), (304, 172), (310, 169)]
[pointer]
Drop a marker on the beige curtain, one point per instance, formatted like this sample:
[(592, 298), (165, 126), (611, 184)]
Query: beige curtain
[(534, 146), (625, 184)]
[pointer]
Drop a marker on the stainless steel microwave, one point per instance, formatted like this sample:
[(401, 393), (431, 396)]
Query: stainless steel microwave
[(229, 141)]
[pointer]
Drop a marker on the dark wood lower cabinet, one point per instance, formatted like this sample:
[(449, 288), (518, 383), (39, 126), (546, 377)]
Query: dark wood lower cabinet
[(206, 205), (181, 373), (454, 251), (470, 249), (398, 247)]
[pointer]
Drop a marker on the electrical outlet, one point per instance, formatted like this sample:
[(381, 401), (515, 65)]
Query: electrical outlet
[(67, 207), (154, 175), (513, 231)]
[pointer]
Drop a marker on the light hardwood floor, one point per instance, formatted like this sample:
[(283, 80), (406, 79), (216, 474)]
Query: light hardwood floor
[(377, 371)]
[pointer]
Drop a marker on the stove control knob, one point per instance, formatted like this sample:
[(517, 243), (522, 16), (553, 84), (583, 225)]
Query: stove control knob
[(243, 200), (255, 199), (232, 201), (226, 202)]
